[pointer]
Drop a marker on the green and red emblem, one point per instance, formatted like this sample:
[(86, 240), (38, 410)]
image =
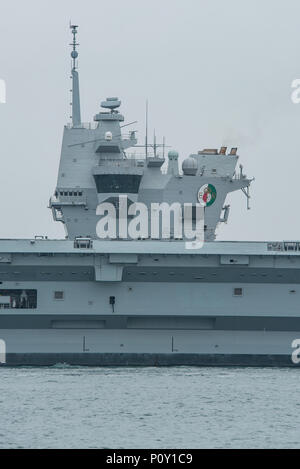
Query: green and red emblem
[(207, 194)]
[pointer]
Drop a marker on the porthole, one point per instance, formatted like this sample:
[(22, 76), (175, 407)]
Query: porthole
[(59, 295), (238, 291)]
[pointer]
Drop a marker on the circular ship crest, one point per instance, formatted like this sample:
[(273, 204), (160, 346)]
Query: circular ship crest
[(207, 195)]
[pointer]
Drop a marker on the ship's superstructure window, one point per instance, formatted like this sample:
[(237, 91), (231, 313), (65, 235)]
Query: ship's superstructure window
[(118, 183), (18, 299), (238, 292), (70, 193), (59, 295)]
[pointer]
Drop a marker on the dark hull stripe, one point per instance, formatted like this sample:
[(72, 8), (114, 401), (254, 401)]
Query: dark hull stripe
[(147, 359), (159, 322)]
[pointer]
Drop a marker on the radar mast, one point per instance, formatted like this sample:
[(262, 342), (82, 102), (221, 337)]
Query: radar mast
[(76, 118)]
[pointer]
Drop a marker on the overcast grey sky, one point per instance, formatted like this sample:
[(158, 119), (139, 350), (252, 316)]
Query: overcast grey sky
[(215, 72)]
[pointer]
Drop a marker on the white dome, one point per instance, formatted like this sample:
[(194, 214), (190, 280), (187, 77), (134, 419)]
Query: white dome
[(173, 155), (190, 166), (108, 136)]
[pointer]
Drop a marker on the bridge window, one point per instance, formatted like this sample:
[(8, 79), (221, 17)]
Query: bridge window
[(118, 183)]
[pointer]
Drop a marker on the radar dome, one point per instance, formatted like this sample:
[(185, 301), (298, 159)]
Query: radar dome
[(173, 155), (190, 166)]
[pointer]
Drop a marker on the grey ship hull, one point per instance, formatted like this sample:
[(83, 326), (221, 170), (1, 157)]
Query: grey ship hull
[(149, 303)]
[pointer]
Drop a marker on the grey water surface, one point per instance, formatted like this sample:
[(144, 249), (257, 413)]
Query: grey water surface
[(181, 407)]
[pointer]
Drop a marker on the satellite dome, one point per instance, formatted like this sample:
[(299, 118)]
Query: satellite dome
[(108, 136), (173, 155), (190, 166)]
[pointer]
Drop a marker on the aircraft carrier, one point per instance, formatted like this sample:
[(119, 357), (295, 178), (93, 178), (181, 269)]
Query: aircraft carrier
[(153, 301)]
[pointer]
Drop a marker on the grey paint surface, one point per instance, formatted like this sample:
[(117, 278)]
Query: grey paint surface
[(209, 74), (167, 301)]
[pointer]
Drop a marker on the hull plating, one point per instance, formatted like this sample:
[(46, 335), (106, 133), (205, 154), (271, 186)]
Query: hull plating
[(148, 348)]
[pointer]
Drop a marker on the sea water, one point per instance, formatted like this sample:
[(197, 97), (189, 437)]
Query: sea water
[(179, 407)]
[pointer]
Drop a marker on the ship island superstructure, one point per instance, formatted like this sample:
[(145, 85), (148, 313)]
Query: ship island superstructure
[(89, 301)]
